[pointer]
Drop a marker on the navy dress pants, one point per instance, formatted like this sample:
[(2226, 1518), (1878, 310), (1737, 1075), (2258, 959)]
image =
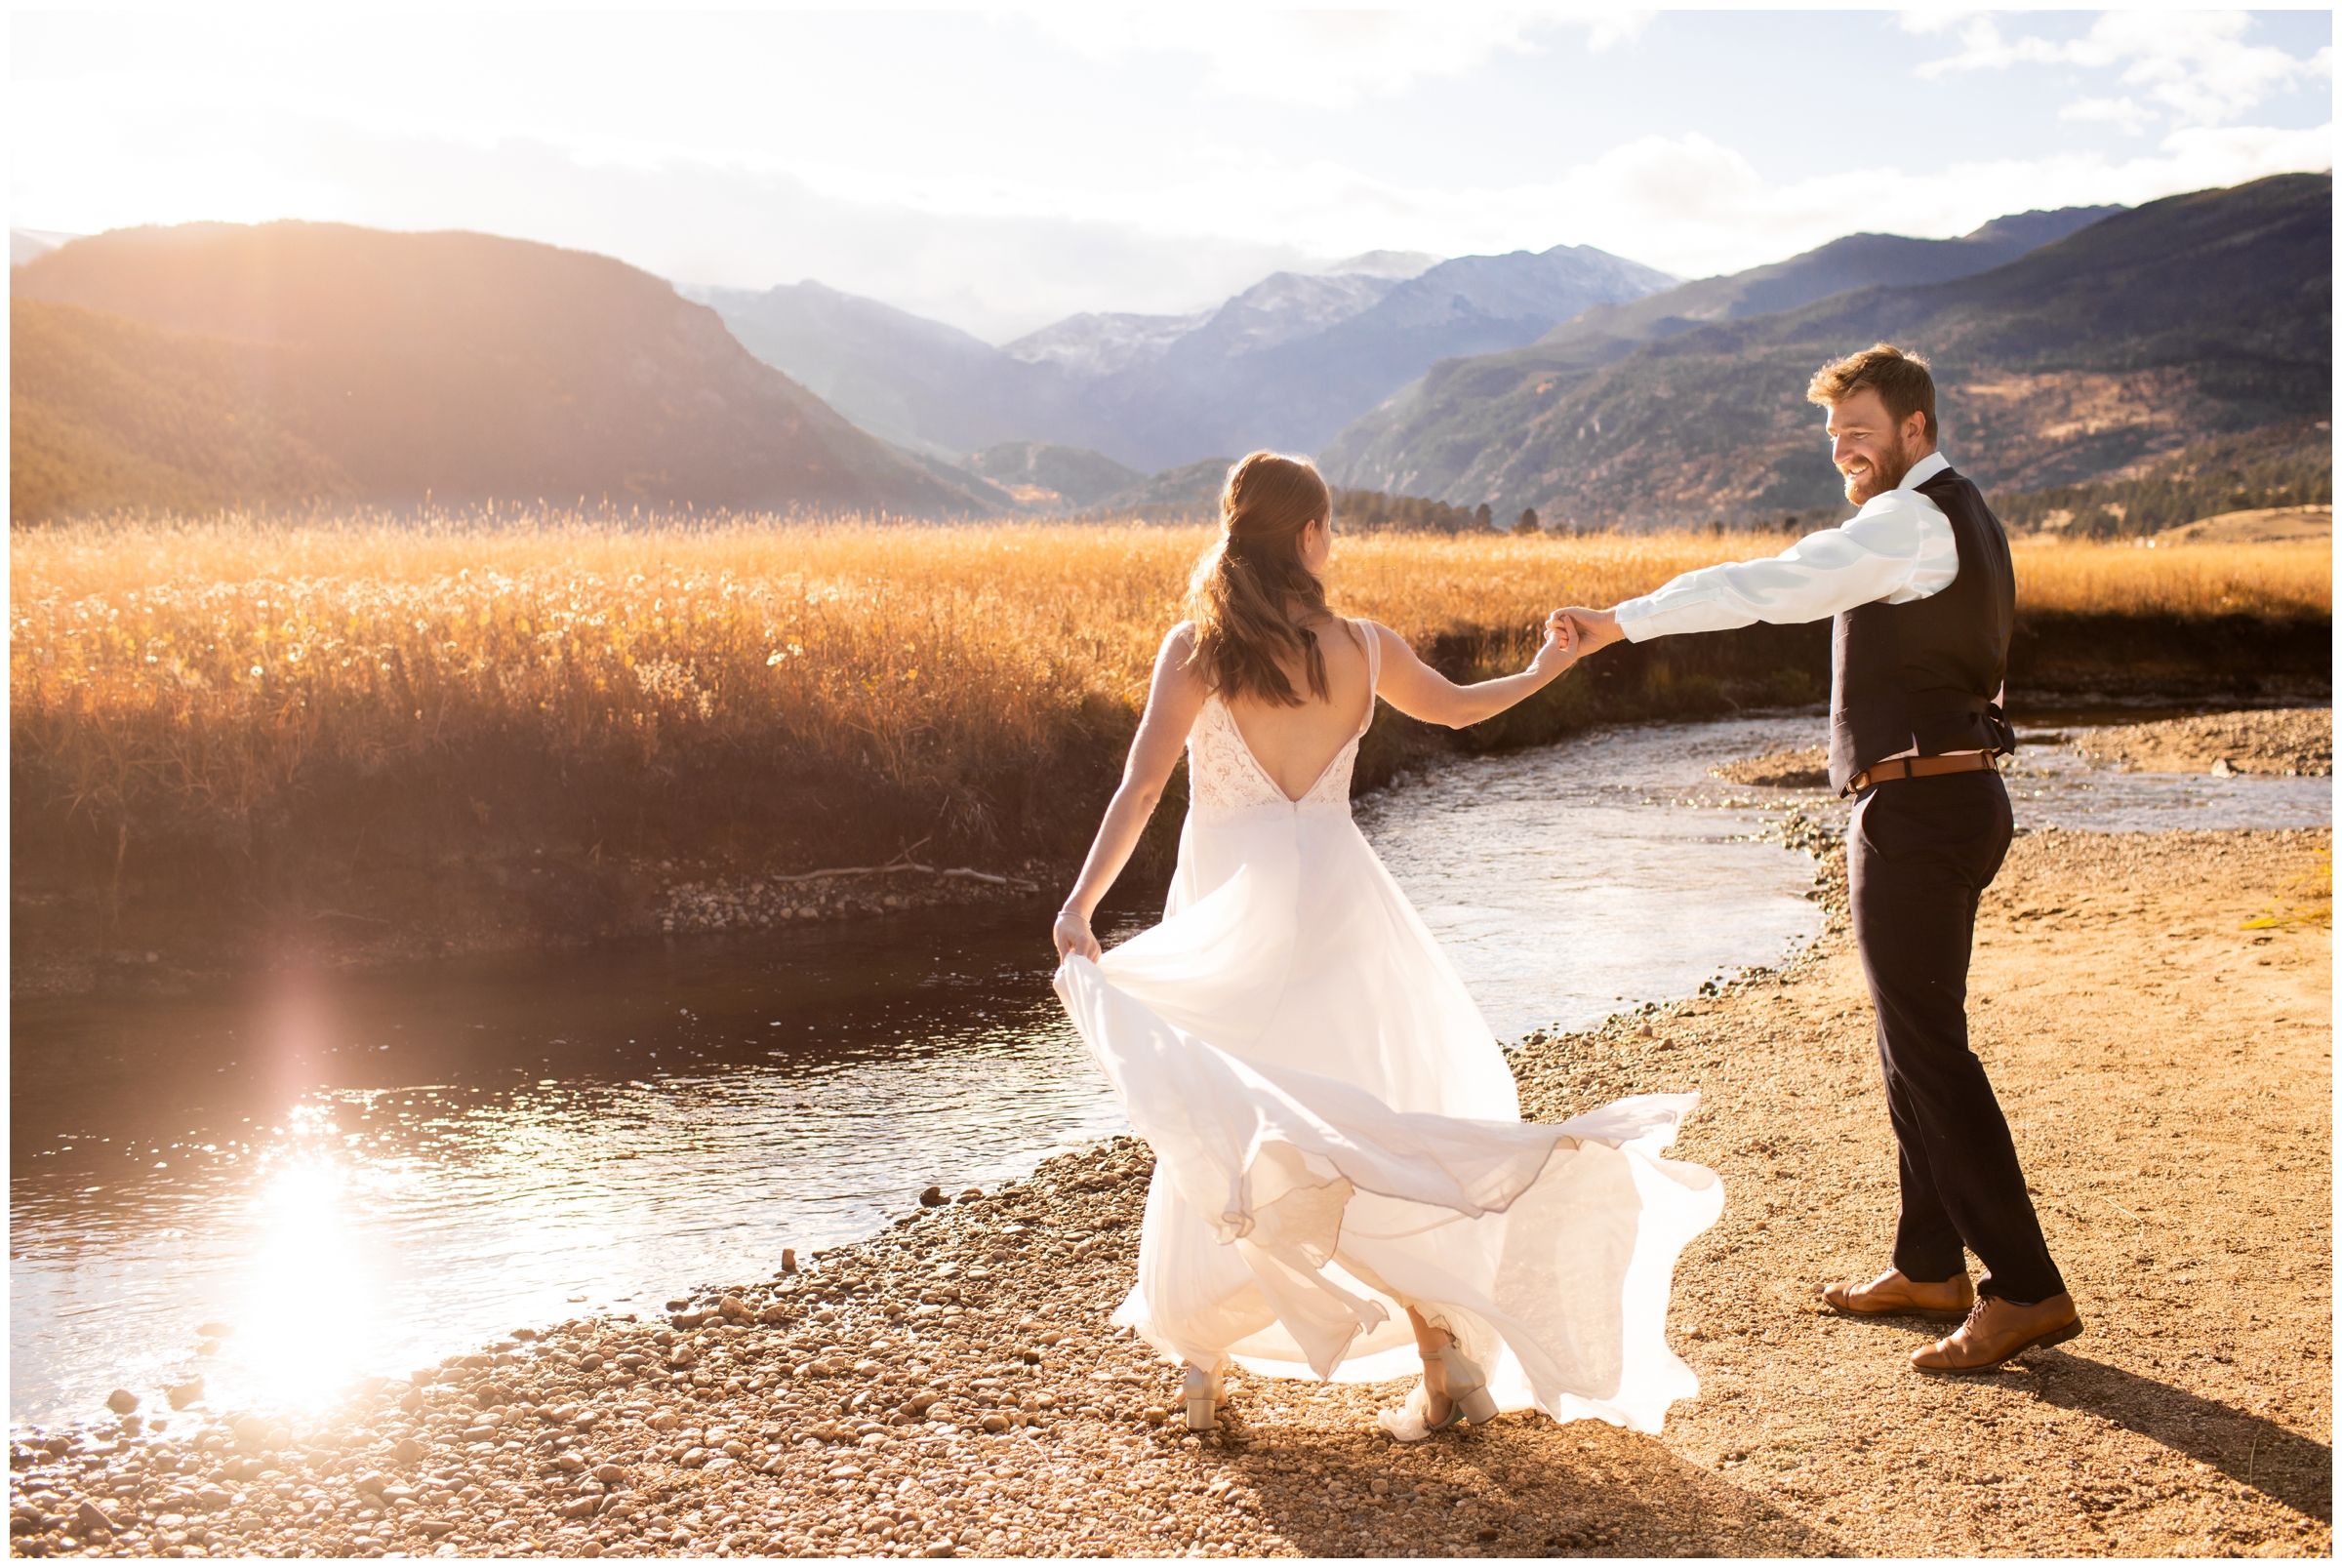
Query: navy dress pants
[(1920, 854)]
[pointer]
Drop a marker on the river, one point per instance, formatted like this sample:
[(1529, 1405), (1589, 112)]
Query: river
[(362, 1173)]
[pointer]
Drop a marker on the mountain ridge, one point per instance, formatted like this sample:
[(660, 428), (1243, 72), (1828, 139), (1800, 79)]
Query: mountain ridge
[(1154, 391), (2129, 334), (465, 367)]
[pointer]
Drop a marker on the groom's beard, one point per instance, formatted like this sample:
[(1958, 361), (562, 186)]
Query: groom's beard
[(1865, 481)]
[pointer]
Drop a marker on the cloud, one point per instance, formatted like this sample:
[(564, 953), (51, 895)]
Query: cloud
[(1331, 60), (2123, 114), (1689, 204), (2194, 65)]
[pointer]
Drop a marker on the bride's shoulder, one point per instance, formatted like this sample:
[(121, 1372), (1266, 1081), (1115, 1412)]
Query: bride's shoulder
[(1180, 644), (1177, 658)]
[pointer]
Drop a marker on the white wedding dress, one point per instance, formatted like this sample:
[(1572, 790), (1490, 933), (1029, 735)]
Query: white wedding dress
[(1337, 1136)]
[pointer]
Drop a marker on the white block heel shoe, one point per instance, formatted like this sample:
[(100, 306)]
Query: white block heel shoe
[(1202, 1392), (1466, 1390)]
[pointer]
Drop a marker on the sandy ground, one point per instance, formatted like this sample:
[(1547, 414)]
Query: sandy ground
[(1801, 768), (2286, 740), (951, 1385)]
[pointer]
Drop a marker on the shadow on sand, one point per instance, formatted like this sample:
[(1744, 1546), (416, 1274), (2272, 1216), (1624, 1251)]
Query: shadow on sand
[(1522, 1487), (2280, 1465)]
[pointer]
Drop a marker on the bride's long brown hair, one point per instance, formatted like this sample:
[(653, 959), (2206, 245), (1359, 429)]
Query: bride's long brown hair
[(1250, 584)]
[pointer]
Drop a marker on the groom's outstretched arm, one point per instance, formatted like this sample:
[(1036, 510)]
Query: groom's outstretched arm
[(1897, 550)]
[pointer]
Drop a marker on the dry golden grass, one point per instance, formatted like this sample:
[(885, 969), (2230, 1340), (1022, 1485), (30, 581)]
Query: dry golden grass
[(211, 661), (2283, 580)]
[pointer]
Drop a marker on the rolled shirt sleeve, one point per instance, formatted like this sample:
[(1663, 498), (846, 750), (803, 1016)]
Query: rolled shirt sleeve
[(1898, 548)]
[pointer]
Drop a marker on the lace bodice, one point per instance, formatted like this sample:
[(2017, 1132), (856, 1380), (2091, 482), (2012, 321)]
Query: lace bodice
[(1224, 777)]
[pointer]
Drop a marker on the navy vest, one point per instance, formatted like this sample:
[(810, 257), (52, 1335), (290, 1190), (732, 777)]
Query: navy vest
[(1928, 675)]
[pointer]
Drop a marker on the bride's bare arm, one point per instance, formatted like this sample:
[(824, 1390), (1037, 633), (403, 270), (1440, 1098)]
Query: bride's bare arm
[(1420, 692), (1173, 700)]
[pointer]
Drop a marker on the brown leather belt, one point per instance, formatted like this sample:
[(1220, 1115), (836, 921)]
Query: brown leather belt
[(1921, 768)]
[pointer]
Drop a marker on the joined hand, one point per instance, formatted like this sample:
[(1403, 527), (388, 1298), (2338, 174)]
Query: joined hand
[(1596, 629)]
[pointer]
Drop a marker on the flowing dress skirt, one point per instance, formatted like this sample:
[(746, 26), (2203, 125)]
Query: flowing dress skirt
[(1337, 1136)]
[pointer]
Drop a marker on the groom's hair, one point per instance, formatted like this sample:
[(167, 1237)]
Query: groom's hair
[(1899, 377)]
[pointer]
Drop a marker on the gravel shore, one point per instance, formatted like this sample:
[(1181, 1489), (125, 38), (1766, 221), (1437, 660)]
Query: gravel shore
[(2283, 741), (951, 1386)]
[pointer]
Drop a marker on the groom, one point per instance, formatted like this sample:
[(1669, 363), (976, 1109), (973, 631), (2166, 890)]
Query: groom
[(1920, 585)]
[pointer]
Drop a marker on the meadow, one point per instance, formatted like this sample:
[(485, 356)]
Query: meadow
[(258, 703)]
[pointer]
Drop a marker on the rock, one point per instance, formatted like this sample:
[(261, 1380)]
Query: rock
[(406, 1451), (249, 1431), (789, 1260), (435, 1527), (610, 1474), (732, 1306), (121, 1401), (183, 1394), (971, 1194), (90, 1517), (932, 1198), (213, 1331)]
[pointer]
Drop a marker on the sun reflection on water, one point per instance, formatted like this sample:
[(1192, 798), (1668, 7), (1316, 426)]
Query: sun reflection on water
[(314, 1281)]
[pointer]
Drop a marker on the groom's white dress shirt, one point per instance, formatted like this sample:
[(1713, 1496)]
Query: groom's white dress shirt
[(1898, 548)]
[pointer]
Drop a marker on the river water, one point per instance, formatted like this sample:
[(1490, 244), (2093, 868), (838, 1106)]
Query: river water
[(364, 1172)]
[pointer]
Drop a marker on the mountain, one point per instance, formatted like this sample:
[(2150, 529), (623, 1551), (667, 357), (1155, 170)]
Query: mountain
[(106, 413), (1284, 364), (1857, 261), (288, 362), (1191, 490), (901, 376), (2128, 337), (26, 243), (1046, 473)]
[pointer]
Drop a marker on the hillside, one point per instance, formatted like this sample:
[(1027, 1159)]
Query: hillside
[(304, 361), (106, 413), (1283, 364), (2137, 335), (903, 378), (1607, 333), (2277, 468), (1050, 475)]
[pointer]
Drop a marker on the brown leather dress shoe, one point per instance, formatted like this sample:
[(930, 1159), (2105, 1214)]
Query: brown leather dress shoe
[(1891, 1295), (1997, 1331)]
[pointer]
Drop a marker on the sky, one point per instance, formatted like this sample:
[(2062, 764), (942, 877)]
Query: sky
[(1000, 170)]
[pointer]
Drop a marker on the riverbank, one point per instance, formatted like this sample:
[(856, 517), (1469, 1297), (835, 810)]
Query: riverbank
[(2285, 742), (2155, 1009), (242, 747)]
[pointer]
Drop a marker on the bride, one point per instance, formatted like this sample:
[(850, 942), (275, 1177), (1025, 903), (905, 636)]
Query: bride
[(1344, 1186)]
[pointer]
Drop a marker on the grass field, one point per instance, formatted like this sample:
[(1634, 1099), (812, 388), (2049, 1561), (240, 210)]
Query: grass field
[(814, 686)]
